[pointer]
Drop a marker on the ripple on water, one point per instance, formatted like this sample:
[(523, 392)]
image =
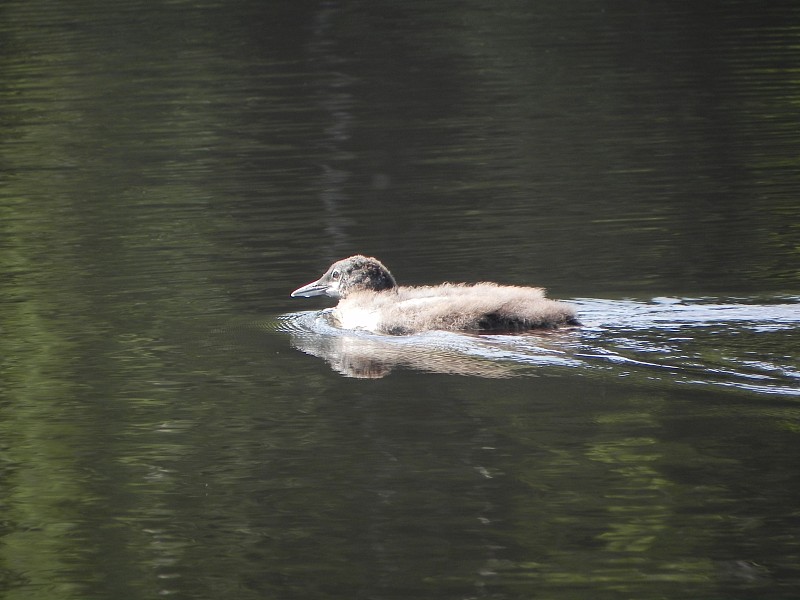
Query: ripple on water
[(741, 344)]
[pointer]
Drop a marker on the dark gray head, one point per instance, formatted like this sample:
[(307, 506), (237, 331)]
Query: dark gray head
[(355, 274)]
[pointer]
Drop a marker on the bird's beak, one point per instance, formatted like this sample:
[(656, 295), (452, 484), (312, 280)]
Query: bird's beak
[(315, 288)]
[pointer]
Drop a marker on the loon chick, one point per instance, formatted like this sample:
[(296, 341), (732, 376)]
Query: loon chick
[(370, 299)]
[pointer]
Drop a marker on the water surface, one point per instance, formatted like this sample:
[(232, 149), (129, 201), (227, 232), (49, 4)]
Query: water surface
[(174, 424)]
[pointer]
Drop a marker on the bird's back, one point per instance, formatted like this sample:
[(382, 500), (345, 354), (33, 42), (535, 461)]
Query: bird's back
[(453, 307)]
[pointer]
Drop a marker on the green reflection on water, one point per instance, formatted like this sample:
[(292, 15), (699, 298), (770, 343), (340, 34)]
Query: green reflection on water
[(164, 169)]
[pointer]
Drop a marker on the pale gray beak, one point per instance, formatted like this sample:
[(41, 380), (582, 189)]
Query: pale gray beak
[(315, 288)]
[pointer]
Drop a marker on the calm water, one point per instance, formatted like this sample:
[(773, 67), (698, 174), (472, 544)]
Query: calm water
[(172, 423)]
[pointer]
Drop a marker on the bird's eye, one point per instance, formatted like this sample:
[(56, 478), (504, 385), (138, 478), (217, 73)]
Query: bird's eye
[(335, 275)]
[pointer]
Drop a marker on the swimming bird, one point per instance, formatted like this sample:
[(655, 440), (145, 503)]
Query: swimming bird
[(370, 299)]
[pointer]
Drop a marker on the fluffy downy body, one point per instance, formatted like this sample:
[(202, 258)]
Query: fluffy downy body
[(370, 299)]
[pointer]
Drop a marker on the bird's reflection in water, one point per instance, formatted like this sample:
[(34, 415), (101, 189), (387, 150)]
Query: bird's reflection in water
[(371, 356)]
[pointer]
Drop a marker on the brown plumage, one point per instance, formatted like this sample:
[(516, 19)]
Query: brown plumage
[(370, 299)]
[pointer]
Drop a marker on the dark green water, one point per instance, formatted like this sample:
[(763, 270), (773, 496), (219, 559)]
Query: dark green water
[(172, 423)]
